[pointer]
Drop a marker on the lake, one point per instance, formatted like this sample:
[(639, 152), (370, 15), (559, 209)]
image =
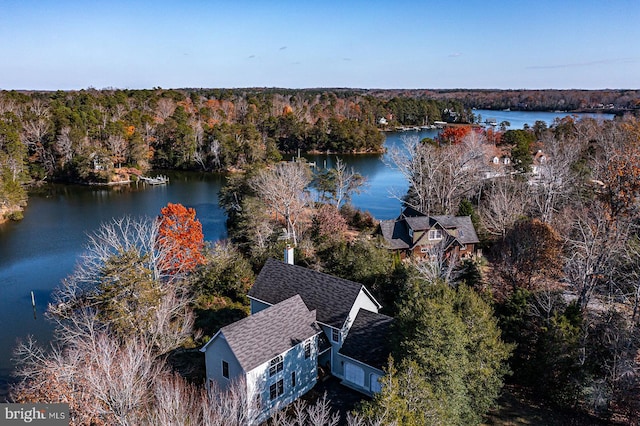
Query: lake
[(39, 251)]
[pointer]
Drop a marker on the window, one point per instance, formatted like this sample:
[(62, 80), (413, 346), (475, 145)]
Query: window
[(307, 350), (225, 369), (411, 232), (375, 385), (335, 335), (293, 379), (435, 234), (275, 366), (276, 389)]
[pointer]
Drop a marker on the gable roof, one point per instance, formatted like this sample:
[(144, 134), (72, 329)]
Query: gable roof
[(466, 233), (330, 296), (258, 338), (396, 232), (368, 339)]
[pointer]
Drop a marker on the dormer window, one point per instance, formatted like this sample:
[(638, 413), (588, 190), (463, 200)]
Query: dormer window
[(410, 232), (335, 335), (435, 234)]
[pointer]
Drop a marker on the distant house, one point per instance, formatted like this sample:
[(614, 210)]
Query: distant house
[(415, 234), (539, 163), (303, 323)]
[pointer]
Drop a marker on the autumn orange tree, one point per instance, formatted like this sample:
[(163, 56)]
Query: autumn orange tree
[(453, 135), (180, 235)]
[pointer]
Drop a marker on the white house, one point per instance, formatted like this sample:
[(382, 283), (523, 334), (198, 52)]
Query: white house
[(275, 351), (302, 322)]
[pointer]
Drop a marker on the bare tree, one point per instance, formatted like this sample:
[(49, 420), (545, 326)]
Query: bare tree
[(438, 265), (595, 242), (36, 126), (439, 177), (118, 147), (283, 188), (145, 298), (505, 201), (104, 382), (64, 146), (177, 402), (417, 163), (165, 108), (214, 151), (234, 406), (120, 378), (628, 273), (556, 179), (346, 182), (320, 413)]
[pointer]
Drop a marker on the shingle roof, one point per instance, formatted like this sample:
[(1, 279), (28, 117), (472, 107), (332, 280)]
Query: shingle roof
[(330, 296), (260, 337), (420, 223), (396, 232), (368, 339), (411, 212), (466, 231)]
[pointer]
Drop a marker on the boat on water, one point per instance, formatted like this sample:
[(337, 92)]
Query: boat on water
[(158, 180)]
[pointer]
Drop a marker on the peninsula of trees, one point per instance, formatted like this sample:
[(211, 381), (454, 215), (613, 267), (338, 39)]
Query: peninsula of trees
[(112, 136)]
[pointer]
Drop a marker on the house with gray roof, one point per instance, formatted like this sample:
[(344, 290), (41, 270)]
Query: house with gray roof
[(302, 323), (365, 351), (274, 352), (416, 234)]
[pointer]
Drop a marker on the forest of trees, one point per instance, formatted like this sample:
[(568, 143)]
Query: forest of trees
[(615, 101), (552, 306), (102, 136)]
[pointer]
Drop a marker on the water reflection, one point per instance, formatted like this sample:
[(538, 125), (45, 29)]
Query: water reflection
[(42, 249)]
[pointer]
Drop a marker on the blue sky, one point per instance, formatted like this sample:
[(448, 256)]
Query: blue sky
[(581, 44)]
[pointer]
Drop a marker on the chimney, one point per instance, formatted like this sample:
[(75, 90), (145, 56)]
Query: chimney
[(288, 255)]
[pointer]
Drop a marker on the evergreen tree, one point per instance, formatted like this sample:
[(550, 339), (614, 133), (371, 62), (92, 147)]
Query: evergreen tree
[(451, 358)]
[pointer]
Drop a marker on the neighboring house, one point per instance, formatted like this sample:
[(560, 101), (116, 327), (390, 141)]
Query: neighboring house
[(539, 163), (496, 164), (414, 233), (294, 312)]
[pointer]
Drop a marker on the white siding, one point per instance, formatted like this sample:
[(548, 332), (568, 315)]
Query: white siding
[(217, 351), (363, 301)]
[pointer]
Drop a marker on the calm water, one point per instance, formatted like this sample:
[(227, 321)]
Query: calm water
[(518, 119), (39, 251)]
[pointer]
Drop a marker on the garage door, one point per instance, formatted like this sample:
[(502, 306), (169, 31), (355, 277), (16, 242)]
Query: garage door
[(354, 374), (376, 386)]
